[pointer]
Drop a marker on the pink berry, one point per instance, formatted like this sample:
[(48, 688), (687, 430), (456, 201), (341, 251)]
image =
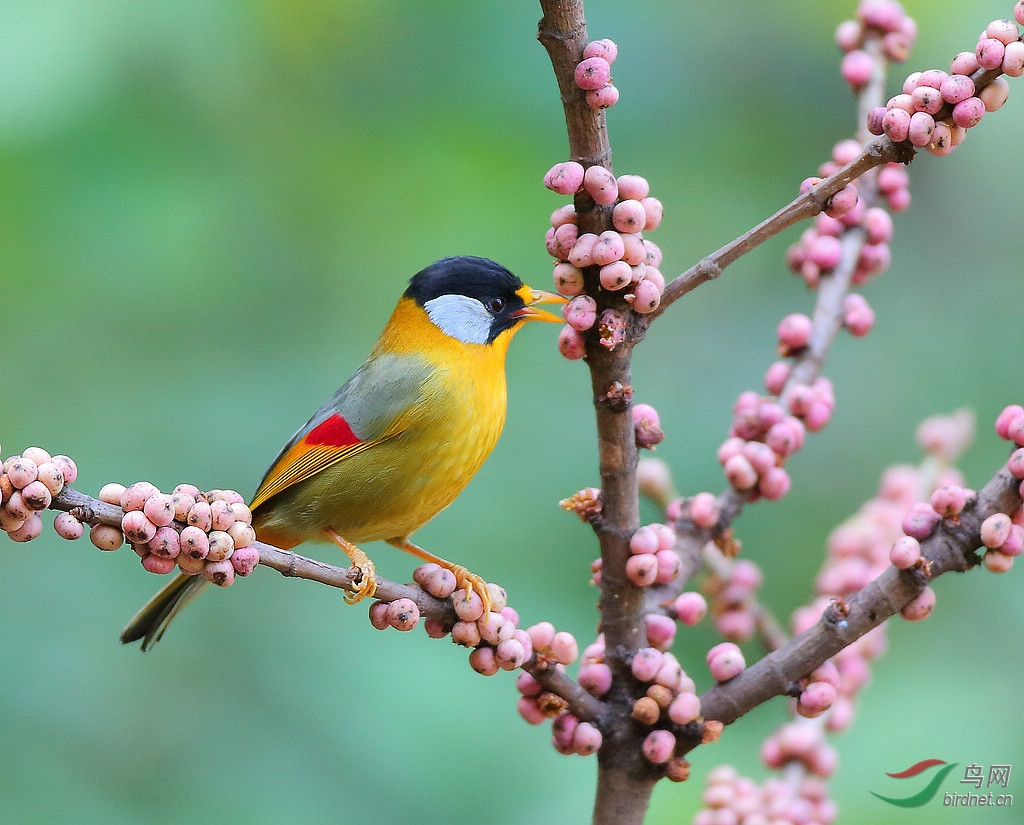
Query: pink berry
[(994, 95), (1014, 544), (968, 113), (896, 124), (165, 543), (642, 569), (601, 48), (843, 201), (580, 312), (245, 560), (660, 629), (920, 521), (600, 184), (135, 496), (739, 473), (856, 68), (669, 566), (31, 528), (603, 98), (646, 663), (608, 249), (483, 661), (628, 215), (1013, 59), (726, 663), (541, 635), (658, 746), (633, 187), (580, 254), (996, 561), (466, 634), (794, 332), (51, 476), (616, 276), (815, 699), (586, 739), (989, 52), (564, 178), (685, 708), (159, 509), (68, 527), (403, 614), (564, 648), (379, 615), (22, 471), (36, 495), (159, 565), (568, 279), (774, 484), (470, 608), (1018, 12), (221, 546), (922, 126), (200, 515), (956, 88), (704, 510), (1015, 464), (905, 552), (571, 343), (995, 530), (595, 678), (137, 528), (921, 606), (592, 73), (105, 537), (644, 540), (646, 295)]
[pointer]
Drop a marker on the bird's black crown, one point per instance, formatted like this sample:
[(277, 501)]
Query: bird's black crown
[(478, 278)]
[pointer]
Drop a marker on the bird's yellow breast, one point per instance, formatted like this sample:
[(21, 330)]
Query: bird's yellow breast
[(438, 443)]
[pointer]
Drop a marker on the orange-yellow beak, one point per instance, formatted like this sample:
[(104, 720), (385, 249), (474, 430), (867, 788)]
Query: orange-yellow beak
[(531, 297)]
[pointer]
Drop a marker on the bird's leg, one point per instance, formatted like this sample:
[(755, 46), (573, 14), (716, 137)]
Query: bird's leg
[(367, 584), (466, 580)]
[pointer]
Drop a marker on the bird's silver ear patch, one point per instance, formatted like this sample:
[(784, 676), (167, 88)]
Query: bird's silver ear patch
[(461, 317)]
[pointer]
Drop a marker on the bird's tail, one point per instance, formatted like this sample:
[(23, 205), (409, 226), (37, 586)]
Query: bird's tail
[(151, 621)]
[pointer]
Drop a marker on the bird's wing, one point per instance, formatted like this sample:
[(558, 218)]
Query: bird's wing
[(371, 407)]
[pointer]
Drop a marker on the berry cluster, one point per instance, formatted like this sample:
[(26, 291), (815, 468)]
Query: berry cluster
[(1003, 536), (569, 734), (497, 641), (882, 20), (199, 533), (936, 108), (819, 250), (28, 483), (734, 599), (627, 262), (738, 800), (594, 74)]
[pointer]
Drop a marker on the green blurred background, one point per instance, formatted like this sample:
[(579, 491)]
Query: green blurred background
[(207, 211)]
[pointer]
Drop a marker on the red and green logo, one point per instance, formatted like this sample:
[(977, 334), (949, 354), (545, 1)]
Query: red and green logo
[(927, 792)]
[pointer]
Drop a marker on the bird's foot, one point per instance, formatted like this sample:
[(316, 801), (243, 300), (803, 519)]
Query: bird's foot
[(466, 581), (366, 584), (470, 582)]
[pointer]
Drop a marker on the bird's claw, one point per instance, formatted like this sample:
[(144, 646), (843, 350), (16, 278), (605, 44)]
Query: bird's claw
[(472, 583), (366, 584)]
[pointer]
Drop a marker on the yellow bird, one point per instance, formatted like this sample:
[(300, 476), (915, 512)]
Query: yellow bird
[(401, 439)]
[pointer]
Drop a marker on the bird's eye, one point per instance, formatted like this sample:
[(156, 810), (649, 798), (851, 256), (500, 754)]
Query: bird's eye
[(495, 305)]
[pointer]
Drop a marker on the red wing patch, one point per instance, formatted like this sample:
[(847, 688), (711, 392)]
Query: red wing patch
[(334, 432), (326, 444)]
